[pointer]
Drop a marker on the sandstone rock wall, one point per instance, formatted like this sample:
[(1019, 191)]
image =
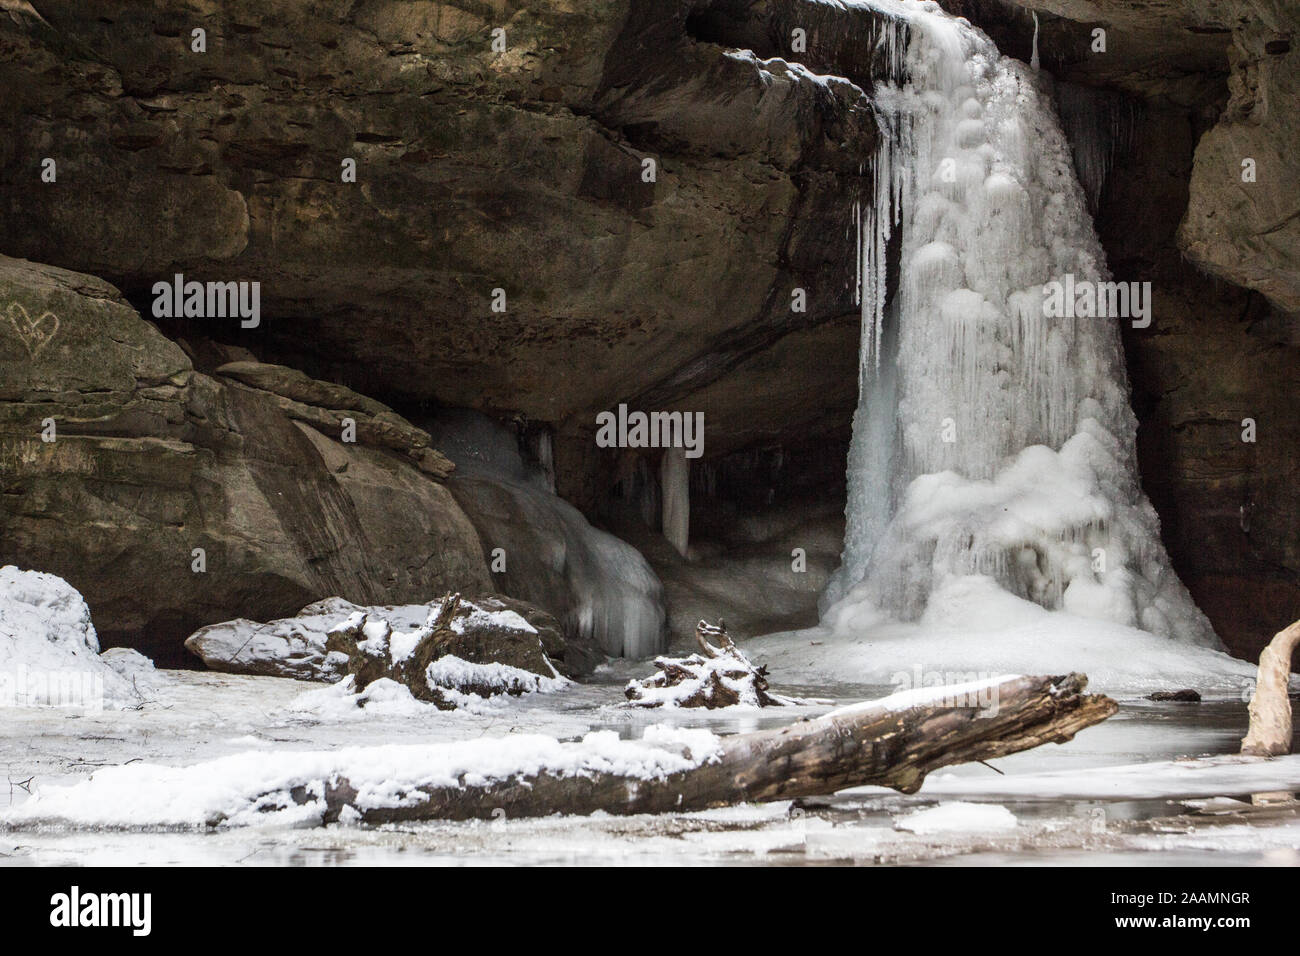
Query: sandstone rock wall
[(520, 171), (151, 460)]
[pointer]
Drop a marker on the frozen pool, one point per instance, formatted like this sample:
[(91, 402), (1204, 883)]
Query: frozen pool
[(1083, 802)]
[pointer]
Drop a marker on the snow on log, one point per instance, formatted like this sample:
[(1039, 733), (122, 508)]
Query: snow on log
[(718, 676), (1270, 708), (892, 742)]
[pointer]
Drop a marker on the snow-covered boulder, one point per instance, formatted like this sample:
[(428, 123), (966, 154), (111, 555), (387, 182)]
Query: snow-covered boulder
[(460, 651), (290, 647), (490, 645), (49, 651)]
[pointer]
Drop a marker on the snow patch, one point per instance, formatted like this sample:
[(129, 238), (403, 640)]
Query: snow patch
[(977, 628)]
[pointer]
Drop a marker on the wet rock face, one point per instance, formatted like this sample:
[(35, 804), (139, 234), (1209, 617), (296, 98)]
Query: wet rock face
[(118, 460), (523, 171)]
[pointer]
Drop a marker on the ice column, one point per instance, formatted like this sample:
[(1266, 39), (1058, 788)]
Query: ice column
[(675, 479), (990, 440)]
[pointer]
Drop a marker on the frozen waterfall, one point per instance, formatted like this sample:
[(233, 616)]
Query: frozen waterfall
[(993, 448)]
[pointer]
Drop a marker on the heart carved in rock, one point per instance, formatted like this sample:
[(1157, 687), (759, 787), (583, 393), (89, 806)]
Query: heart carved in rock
[(35, 333)]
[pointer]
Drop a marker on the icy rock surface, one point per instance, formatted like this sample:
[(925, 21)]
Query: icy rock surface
[(599, 587), (990, 441)]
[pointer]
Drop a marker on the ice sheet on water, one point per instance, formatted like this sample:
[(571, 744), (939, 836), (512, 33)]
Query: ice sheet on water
[(957, 817), (1165, 779)]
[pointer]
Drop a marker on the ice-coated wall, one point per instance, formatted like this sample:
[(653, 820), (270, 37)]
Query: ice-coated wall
[(541, 549)]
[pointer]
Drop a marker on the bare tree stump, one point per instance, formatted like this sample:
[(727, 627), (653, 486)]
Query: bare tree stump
[(1270, 708), (716, 677)]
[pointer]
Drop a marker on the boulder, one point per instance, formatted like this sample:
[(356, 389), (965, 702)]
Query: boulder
[(486, 630), (49, 650), (462, 649), (170, 498), (334, 409)]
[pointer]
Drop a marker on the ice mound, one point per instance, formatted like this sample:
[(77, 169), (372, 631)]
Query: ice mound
[(974, 628), (342, 701), (49, 651), (1058, 529), (992, 474)]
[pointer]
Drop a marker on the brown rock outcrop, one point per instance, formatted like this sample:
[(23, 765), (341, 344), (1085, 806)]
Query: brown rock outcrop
[(118, 460)]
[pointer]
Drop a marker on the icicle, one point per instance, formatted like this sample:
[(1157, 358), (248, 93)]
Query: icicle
[(1033, 58), (675, 478), (546, 457)]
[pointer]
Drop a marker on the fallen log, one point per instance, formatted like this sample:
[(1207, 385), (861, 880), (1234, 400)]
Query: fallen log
[(893, 742)]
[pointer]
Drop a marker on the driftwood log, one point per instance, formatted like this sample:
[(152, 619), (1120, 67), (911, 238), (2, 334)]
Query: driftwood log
[(1270, 707), (887, 746)]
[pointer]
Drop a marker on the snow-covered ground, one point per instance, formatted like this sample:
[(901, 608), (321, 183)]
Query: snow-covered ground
[(1054, 804), (980, 630)]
